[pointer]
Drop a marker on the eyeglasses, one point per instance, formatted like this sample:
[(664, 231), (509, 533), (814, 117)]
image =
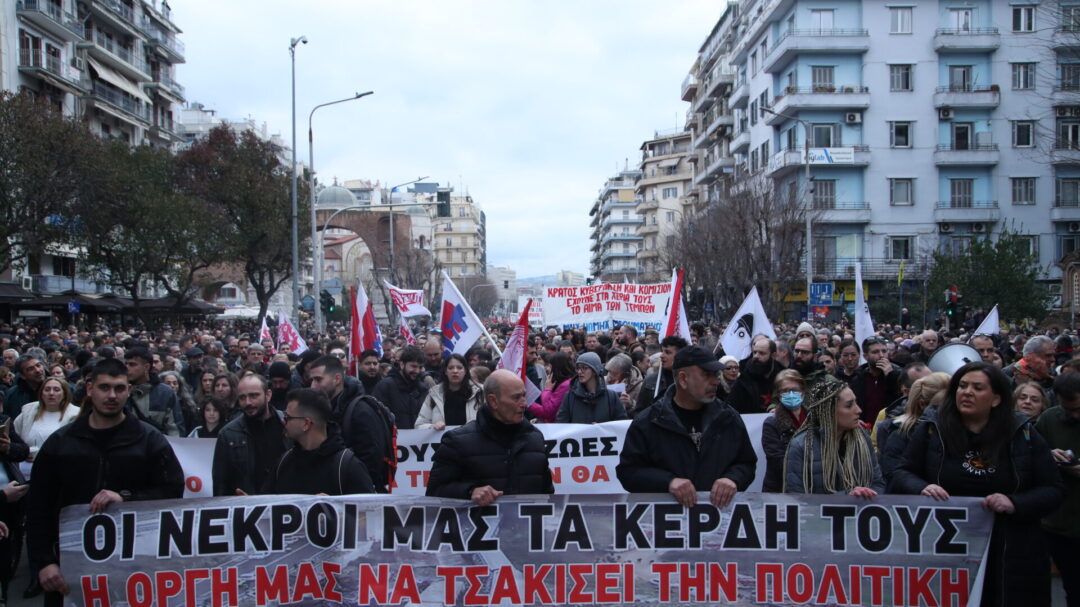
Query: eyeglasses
[(732, 368), (288, 418), (791, 391), (338, 355), (803, 352)]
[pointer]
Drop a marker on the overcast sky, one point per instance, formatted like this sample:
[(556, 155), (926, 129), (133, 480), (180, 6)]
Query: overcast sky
[(529, 106)]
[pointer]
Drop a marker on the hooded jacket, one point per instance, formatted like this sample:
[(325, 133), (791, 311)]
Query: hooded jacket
[(511, 459), (658, 448), (434, 407), (402, 396), (71, 468), (330, 468), (1018, 568), (581, 407)]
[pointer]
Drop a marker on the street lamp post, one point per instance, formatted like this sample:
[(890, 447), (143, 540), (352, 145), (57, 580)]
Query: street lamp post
[(292, 171), (808, 191), (391, 194), (317, 256)]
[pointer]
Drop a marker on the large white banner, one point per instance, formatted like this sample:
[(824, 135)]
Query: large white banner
[(536, 312), (582, 457), (602, 306)]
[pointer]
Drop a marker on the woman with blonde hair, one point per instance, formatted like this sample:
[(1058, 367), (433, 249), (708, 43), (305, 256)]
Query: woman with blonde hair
[(923, 398), (831, 453), (1031, 400), (51, 411)]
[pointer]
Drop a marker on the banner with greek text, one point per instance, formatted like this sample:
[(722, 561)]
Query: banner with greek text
[(602, 306), (538, 550)]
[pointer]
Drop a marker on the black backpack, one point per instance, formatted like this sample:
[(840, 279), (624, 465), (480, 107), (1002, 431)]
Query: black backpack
[(389, 430)]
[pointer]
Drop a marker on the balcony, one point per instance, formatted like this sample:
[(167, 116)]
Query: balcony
[(715, 165), (1065, 93), (128, 106), (620, 221), (648, 228), (48, 284), (1065, 209), (710, 84), (985, 154), (620, 237), (164, 127), (787, 161), (831, 211), (821, 42), (121, 58), (51, 18), (966, 211), (963, 40), (663, 177), (713, 121), (1065, 38), (164, 42), (1065, 152), (116, 14), (165, 84), (606, 255), (50, 68), (818, 98), (967, 96), (740, 95), (740, 143), (689, 87), (873, 268)]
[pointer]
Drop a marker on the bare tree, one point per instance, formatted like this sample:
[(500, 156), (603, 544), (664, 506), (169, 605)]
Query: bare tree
[(752, 237)]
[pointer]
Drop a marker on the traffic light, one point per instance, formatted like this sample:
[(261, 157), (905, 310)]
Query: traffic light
[(326, 302), (443, 200)]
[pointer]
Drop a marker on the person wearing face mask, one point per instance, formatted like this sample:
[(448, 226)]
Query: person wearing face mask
[(786, 416), (831, 453), (280, 382)]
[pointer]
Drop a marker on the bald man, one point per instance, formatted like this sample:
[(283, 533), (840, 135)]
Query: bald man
[(497, 453)]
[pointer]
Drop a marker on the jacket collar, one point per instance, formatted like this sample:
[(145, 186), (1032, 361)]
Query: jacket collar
[(130, 430), (663, 413)]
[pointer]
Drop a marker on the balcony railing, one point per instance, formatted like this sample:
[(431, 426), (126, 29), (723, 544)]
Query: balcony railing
[(55, 13), (167, 81), (830, 205), (124, 54), (119, 100), (872, 267), (52, 284), (1067, 202), (974, 147), (819, 33), (121, 9), (825, 89), (1067, 145), (964, 203), (163, 38), (968, 88), (966, 31)]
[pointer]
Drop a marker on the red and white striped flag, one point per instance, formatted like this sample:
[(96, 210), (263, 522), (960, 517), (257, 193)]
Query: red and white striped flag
[(676, 323), (364, 333), (515, 357)]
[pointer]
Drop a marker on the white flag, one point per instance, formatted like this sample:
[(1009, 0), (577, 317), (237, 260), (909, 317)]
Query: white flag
[(287, 334), (461, 327), (991, 325), (749, 321), (864, 326), (409, 303)]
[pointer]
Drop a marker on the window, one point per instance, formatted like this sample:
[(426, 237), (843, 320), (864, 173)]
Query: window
[(960, 193), (901, 191), (1032, 244), (625, 247), (753, 62), (449, 241), (900, 134), (626, 214), (960, 19), (900, 20), (669, 241), (790, 138), (900, 77), (961, 135), (669, 193), (960, 77), (821, 19), (227, 292), (1023, 190), (1023, 18), (763, 48), (1068, 193), (1068, 135), (824, 136), (900, 247), (763, 102), (1067, 244), (1023, 134), (1070, 18), (822, 78), (1070, 76), (753, 161), (764, 152), (1023, 76), (753, 112), (824, 193), (669, 216), (63, 266)]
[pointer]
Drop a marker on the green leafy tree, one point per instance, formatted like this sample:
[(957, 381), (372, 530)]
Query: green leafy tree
[(244, 186), (991, 271), (44, 164)]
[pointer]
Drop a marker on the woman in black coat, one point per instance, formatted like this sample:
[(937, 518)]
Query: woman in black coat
[(977, 447)]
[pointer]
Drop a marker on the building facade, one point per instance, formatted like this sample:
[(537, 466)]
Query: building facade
[(923, 125), (615, 222), (660, 192), (461, 239)]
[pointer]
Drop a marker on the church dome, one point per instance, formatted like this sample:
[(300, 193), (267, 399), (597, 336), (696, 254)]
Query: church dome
[(335, 197)]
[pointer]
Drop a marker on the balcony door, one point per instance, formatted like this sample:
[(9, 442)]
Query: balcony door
[(960, 77), (825, 256), (961, 19), (1069, 134), (960, 191), (961, 135)]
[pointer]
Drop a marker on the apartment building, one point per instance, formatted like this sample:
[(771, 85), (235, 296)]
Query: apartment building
[(660, 192), (615, 221), (924, 124), (109, 62), (460, 241)]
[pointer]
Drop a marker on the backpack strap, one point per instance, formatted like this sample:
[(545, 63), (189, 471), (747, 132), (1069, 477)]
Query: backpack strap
[(341, 470)]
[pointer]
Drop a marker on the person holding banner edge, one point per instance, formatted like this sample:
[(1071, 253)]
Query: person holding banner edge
[(689, 441), (978, 447)]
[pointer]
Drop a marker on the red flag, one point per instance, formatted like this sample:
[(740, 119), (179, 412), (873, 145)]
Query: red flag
[(676, 323), (406, 333), (364, 331), (515, 356)]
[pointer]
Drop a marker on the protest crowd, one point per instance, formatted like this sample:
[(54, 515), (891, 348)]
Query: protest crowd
[(86, 413)]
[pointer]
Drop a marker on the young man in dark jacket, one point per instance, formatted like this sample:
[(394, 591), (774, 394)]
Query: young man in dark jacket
[(103, 457), (401, 390), (877, 382), (689, 441), (150, 400), (360, 422), (249, 447), (319, 462), (31, 374), (498, 453), (752, 392)]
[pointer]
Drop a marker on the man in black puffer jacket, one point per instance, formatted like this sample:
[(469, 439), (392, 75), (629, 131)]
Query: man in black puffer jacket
[(752, 392), (498, 453), (689, 441), (319, 462), (401, 390), (102, 457)]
